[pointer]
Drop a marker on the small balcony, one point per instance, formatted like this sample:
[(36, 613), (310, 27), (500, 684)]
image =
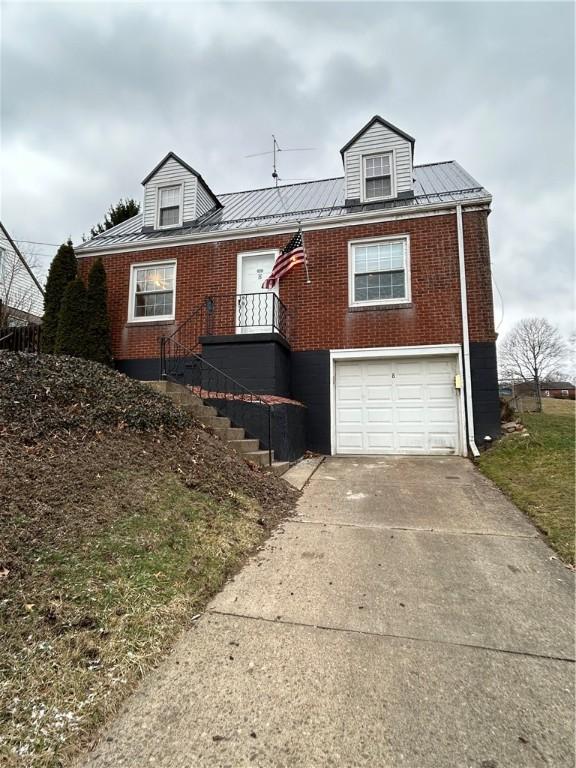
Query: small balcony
[(243, 336), (246, 313)]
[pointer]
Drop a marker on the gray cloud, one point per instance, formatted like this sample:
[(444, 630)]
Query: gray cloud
[(94, 94)]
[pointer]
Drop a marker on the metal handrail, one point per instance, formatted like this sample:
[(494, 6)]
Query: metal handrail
[(197, 313), (243, 394)]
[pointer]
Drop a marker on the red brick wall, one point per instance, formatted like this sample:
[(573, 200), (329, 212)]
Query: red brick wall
[(319, 314)]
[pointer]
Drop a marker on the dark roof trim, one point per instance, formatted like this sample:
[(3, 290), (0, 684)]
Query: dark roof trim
[(556, 385), (386, 124), (174, 156)]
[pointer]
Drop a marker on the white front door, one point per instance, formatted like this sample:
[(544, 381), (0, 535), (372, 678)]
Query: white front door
[(255, 305), (397, 406)]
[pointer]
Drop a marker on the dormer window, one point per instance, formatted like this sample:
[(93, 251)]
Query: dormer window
[(378, 176), (170, 206)]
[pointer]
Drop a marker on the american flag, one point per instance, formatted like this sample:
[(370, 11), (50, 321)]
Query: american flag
[(290, 256)]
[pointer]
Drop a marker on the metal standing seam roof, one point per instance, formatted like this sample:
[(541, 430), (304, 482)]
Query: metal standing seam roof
[(444, 182)]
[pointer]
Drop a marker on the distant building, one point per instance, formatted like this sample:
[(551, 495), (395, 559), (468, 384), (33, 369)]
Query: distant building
[(558, 389), (21, 303)]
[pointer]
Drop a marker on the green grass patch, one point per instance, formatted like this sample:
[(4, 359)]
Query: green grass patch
[(537, 472), (83, 619)]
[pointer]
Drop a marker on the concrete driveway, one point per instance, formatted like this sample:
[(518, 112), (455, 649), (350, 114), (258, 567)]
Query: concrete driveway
[(409, 615)]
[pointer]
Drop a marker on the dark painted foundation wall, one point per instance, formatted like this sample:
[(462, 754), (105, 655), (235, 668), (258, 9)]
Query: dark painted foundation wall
[(485, 398), (287, 425), (258, 361), (305, 376)]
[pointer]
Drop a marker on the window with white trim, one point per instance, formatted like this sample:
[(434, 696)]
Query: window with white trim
[(379, 272), (378, 176), (169, 206), (152, 289)]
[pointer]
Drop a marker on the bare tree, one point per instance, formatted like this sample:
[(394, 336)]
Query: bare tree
[(532, 352), (19, 296)]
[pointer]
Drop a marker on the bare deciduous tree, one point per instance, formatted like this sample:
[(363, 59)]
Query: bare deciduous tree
[(532, 352), (18, 294)]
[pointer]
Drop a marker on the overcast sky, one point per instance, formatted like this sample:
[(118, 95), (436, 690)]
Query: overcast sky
[(95, 94)]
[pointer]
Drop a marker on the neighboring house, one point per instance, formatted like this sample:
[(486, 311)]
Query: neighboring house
[(559, 389), (390, 344), (21, 303)]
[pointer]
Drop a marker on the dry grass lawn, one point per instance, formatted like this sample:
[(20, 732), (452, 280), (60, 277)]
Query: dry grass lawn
[(537, 471)]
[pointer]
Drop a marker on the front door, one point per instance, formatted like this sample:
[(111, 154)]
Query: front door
[(255, 305)]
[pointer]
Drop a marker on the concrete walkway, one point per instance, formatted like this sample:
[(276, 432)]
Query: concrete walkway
[(409, 615)]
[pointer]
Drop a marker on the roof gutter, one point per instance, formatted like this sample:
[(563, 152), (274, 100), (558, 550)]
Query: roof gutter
[(465, 334), (273, 229)]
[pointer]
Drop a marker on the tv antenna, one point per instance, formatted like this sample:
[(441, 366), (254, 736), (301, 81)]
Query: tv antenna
[(276, 149)]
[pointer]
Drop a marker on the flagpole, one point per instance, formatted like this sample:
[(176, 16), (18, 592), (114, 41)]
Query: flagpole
[(308, 281)]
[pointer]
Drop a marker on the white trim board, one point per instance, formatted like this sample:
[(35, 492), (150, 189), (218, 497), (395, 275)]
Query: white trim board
[(374, 353), (352, 274), (372, 217), (363, 179), (159, 191), (132, 295)]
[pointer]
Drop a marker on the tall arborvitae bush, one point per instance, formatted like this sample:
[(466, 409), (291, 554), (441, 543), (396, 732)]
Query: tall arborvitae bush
[(98, 345), (71, 333), (62, 271)]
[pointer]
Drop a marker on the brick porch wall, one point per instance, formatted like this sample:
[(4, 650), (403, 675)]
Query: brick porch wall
[(319, 314)]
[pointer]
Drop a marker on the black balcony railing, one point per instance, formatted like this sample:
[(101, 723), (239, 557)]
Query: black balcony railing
[(231, 313)]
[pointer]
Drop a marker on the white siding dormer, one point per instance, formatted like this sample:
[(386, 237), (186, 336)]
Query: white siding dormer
[(175, 180), (379, 149)]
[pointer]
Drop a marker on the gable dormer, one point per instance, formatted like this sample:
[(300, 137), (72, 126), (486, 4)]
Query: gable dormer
[(378, 163), (175, 195)]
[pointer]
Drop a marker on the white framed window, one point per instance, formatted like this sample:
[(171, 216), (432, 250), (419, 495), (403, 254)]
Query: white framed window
[(377, 176), (170, 206), (152, 291), (565, 393), (379, 271)]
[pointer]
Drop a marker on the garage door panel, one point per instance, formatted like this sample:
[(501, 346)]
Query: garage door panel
[(350, 416), (408, 367), (440, 366), (350, 393), (445, 416), (379, 416), (411, 440), (441, 391), (351, 441), (411, 415), (397, 406), (442, 441), (409, 392), (379, 393)]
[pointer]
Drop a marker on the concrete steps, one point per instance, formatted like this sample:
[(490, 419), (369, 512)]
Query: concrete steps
[(235, 437)]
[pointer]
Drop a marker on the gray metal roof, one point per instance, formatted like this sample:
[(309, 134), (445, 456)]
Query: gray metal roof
[(324, 199)]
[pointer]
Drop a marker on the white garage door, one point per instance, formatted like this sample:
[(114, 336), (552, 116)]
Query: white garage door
[(403, 405)]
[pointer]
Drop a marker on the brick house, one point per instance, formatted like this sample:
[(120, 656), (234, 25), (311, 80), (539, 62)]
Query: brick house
[(556, 389), (388, 342)]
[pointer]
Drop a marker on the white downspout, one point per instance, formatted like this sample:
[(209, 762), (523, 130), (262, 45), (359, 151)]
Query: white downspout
[(465, 337)]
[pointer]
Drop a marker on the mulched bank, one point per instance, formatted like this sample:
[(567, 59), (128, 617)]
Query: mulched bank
[(120, 516)]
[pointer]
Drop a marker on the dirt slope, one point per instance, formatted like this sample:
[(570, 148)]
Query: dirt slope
[(120, 516)]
